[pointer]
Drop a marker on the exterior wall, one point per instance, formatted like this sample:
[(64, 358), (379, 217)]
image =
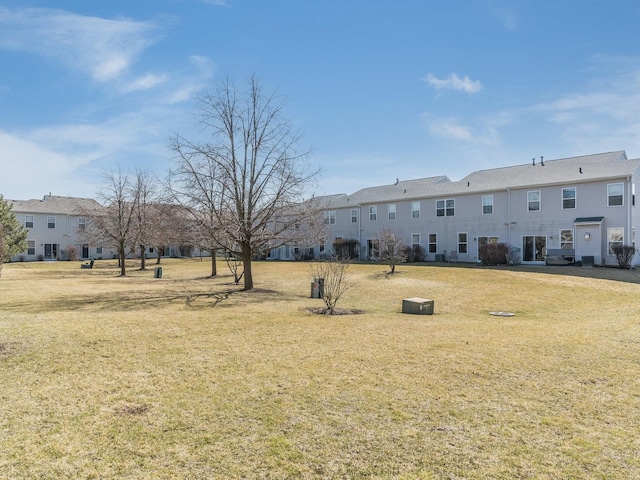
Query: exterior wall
[(511, 222), (64, 234)]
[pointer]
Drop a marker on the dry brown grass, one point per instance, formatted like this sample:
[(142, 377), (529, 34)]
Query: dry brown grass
[(188, 377)]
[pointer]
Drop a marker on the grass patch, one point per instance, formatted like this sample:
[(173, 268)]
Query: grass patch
[(190, 377)]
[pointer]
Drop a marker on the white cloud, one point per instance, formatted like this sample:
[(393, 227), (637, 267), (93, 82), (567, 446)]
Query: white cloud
[(219, 3), (25, 162), (102, 48), (145, 82), (453, 82), (194, 83), (485, 132)]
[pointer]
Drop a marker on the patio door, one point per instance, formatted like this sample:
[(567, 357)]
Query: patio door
[(534, 248), (51, 251)]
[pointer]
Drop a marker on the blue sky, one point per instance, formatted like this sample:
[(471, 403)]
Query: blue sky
[(380, 90)]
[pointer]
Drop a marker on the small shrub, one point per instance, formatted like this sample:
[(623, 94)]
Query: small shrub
[(494, 254), (72, 253), (624, 254), (417, 253), (333, 274)]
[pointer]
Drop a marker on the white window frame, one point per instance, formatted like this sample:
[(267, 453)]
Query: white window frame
[(534, 201), (569, 199), (615, 236), (28, 219), (415, 240), (354, 215), (415, 210), (29, 247), (82, 223), (446, 207), (567, 238), (614, 195), (433, 242), (330, 217), (463, 242), (391, 211), (373, 213), (487, 204), (51, 220)]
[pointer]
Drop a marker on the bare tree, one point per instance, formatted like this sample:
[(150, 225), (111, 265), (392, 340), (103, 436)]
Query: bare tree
[(332, 274), (113, 224), (246, 181), (193, 183), (392, 249), (143, 190)]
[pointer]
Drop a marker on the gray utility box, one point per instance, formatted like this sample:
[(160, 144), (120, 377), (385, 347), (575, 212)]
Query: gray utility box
[(317, 288), (417, 306), (157, 272)]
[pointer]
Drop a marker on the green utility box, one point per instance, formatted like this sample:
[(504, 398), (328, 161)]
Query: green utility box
[(417, 306)]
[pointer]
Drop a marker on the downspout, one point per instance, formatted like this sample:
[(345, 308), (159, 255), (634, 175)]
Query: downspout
[(360, 232), (629, 210), (509, 214)]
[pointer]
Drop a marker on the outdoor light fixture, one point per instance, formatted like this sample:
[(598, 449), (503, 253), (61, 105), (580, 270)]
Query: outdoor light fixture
[(587, 236)]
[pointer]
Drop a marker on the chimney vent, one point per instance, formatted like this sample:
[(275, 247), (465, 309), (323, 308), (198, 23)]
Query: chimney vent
[(541, 160), (534, 161)]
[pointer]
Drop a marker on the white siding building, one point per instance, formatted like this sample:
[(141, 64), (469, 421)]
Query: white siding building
[(53, 225), (583, 203)]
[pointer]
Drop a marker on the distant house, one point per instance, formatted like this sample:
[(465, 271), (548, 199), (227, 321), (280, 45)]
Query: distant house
[(54, 225), (582, 204)]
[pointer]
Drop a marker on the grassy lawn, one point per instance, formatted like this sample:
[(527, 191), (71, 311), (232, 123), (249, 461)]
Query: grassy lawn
[(188, 377)]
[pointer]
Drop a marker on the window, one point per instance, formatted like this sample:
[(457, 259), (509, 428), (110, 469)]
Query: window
[(373, 247), (433, 243), (31, 247), (568, 198), (415, 209), (51, 222), (462, 242), (391, 209), (330, 217), (533, 201), (615, 236), (415, 240), (28, 221), (487, 204), (373, 213), (354, 215), (445, 208), (82, 223), (615, 194), (566, 238)]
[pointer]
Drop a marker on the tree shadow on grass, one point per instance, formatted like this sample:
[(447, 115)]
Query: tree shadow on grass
[(192, 298)]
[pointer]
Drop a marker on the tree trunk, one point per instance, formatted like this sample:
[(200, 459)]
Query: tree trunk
[(214, 266), (246, 261), (143, 257), (122, 253)]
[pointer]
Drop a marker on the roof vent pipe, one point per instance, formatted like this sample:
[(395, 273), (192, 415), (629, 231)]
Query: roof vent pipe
[(541, 160), (580, 169), (534, 161)]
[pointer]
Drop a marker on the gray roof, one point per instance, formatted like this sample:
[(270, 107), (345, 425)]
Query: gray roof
[(562, 171), (53, 204)]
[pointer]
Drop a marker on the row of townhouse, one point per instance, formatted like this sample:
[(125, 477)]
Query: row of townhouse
[(55, 223), (582, 204)]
